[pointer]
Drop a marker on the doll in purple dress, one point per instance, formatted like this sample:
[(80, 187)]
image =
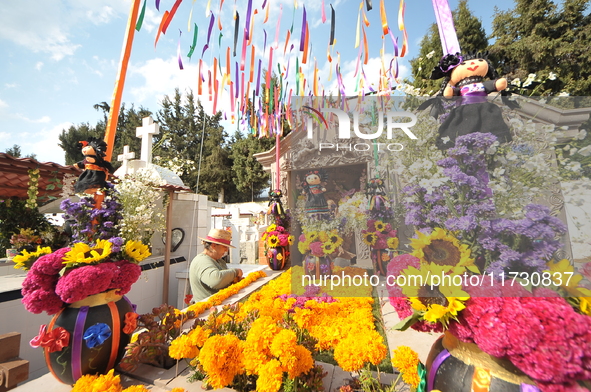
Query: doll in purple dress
[(464, 77)]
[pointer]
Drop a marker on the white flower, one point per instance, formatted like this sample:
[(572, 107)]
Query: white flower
[(516, 82), (585, 151), (552, 76), (581, 135), (563, 94), (445, 139), (430, 54), (530, 79)]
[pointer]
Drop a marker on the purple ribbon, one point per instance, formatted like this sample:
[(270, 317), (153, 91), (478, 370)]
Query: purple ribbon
[(158, 5), (247, 27), (77, 343), (133, 306), (303, 35), (445, 24), (528, 388), (442, 356)]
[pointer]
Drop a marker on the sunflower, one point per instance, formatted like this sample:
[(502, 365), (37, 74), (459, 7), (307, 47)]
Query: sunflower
[(392, 243), (84, 254), (370, 238), (380, 226), (563, 275), (435, 291), (311, 235), (137, 250), (290, 240), (271, 228), (25, 260), (323, 236), (328, 247), (273, 241), (443, 248), (336, 239)]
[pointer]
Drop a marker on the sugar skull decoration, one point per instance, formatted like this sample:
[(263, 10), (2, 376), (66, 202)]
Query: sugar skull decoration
[(96, 168), (465, 78), (314, 190)]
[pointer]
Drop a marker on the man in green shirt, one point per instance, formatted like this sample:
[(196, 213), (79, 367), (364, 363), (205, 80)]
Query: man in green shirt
[(208, 273)]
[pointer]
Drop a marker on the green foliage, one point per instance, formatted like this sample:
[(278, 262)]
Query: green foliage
[(471, 36), (15, 151), (537, 37), (14, 216), (250, 177)]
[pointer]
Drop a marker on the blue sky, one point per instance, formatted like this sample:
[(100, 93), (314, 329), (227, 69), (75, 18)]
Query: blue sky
[(60, 57)]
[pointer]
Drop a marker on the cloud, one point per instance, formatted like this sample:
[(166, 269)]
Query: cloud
[(10, 85), (46, 26), (45, 144), (39, 65), (44, 119), (3, 104)]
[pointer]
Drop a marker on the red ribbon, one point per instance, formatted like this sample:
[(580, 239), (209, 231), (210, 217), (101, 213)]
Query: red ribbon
[(54, 340)]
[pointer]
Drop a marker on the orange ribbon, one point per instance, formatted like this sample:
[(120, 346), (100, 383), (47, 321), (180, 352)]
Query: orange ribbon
[(130, 322)]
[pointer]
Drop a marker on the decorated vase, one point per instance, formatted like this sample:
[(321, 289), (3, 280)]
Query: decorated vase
[(11, 253), (455, 366), (94, 333), (380, 259), (278, 258), (318, 266)]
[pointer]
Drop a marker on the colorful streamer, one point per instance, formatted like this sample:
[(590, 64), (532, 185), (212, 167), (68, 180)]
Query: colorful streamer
[(178, 51), (368, 4), (445, 24), (324, 12), (158, 5), (332, 25), (171, 14), (140, 19), (194, 44), (402, 28), (162, 22), (248, 15), (303, 34), (384, 18), (236, 27)]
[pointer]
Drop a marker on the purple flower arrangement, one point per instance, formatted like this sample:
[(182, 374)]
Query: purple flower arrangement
[(465, 205), (97, 261)]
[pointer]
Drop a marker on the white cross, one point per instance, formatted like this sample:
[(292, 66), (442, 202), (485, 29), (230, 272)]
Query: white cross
[(145, 132), (125, 157)]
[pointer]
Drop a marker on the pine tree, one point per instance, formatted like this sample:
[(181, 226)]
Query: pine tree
[(537, 37), (249, 175), (471, 36)]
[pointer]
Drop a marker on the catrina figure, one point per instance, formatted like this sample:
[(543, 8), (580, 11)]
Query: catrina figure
[(465, 78), (96, 169), (314, 191)]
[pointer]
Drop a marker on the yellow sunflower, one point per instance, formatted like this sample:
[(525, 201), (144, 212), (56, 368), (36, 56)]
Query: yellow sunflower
[(290, 239), (380, 226), (271, 228), (328, 248), (335, 238), (311, 235), (84, 254), (137, 250), (323, 236), (435, 291), (273, 241), (442, 248), (370, 238), (25, 260), (563, 275), (392, 243)]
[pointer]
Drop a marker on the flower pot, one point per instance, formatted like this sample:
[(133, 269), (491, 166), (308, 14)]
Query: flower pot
[(96, 340), (318, 266), (380, 259), (456, 366), (11, 253), (277, 258)]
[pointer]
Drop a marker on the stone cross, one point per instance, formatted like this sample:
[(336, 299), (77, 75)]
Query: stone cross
[(125, 157), (145, 132)]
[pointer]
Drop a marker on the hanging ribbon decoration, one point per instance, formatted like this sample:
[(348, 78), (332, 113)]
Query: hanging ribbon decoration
[(368, 4), (402, 28), (236, 27), (140, 19), (194, 44), (332, 25), (178, 51), (445, 24)]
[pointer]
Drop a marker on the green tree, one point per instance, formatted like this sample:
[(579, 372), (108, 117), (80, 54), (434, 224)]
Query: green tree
[(250, 179), (537, 37), (15, 151), (471, 36)]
